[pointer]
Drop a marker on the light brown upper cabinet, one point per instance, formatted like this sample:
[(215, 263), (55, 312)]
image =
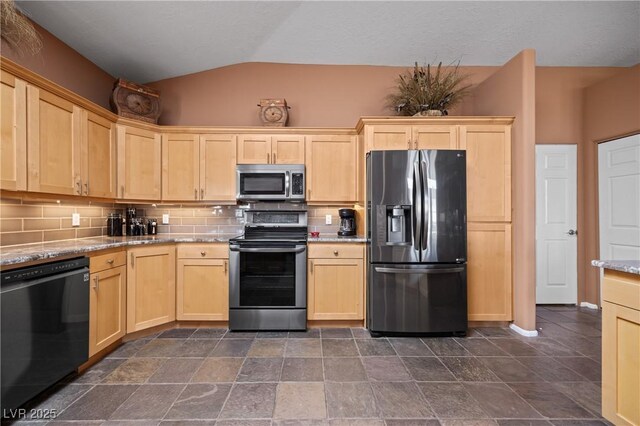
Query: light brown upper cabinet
[(180, 167), (331, 168), (139, 163), (13, 125), (218, 167), (488, 172), (270, 149), (98, 160), (53, 143), (381, 137)]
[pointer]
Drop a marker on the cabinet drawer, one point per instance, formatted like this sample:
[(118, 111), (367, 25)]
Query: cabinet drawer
[(107, 261), (622, 289), (336, 251), (203, 251)]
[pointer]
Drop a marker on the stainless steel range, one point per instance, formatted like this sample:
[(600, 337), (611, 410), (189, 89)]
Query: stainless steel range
[(268, 272)]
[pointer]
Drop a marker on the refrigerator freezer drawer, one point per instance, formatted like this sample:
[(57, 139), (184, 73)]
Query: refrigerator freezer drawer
[(417, 298)]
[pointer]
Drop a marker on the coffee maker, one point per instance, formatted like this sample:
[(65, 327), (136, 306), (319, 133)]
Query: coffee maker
[(347, 222)]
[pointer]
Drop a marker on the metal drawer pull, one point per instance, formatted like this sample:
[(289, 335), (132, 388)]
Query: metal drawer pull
[(203, 253), (418, 271), (267, 250), (335, 252), (110, 261), (97, 283)]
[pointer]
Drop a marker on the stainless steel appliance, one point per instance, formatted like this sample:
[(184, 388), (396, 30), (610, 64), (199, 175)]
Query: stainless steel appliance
[(268, 272), (417, 237), (264, 182), (347, 222), (45, 327)]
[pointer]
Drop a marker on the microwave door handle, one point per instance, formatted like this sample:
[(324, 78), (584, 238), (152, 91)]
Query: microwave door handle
[(287, 184)]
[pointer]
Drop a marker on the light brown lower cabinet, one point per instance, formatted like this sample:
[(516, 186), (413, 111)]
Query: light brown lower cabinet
[(151, 286), (203, 282), (335, 282), (107, 300)]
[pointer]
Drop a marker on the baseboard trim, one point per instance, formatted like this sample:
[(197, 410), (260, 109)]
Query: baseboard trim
[(522, 331), (589, 305)]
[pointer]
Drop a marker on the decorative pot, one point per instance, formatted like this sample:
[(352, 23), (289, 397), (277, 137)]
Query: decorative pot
[(429, 113)]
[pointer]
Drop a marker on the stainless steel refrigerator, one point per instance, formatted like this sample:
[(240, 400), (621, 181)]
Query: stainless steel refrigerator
[(417, 242)]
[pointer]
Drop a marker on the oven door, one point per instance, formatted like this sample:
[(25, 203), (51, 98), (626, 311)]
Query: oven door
[(268, 276), (262, 185)]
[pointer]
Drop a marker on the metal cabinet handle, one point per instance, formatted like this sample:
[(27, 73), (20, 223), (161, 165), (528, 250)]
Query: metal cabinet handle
[(195, 194), (203, 253), (335, 252), (122, 190), (409, 143), (133, 258), (79, 187), (311, 266), (86, 188), (201, 193), (96, 280), (110, 261), (268, 162), (308, 194), (274, 158), (225, 267)]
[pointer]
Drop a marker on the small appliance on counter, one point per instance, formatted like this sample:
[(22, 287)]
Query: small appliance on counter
[(152, 226), (130, 224), (347, 222), (114, 225)]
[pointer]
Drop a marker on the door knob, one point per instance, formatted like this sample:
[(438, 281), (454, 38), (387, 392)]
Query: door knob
[(572, 232)]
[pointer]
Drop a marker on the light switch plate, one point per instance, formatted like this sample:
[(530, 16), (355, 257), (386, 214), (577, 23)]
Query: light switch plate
[(165, 219), (75, 219), (327, 219)]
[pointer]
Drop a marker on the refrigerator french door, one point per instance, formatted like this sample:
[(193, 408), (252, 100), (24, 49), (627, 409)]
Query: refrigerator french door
[(416, 206)]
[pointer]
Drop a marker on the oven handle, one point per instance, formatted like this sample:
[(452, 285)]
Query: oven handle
[(418, 271), (267, 250)]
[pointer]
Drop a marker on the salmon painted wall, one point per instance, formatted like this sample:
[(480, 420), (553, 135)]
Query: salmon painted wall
[(611, 111), (511, 91), (61, 64)]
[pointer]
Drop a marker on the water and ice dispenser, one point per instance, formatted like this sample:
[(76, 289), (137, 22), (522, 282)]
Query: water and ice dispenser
[(398, 225)]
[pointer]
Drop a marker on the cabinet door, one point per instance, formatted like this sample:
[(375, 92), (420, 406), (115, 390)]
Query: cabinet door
[(218, 167), (203, 289), (13, 128), (335, 289), (53, 143), (386, 137), (331, 169), (489, 285), (180, 167), (98, 156), (488, 172), (435, 137), (107, 308), (139, 163), (254, 149), (151, 287), (620, 364), (287, 149)]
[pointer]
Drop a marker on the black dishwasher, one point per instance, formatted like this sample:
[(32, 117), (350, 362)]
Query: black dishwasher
[(45, 327)]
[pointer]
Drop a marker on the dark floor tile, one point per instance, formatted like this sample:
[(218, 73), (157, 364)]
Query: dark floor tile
[(306, 348), (580, 423), (427, 369), (128, 349), (468, 422), (129, 423), (515, 347), (523, 422), (361, 333), (217, 369), (148, 402), (583, 366), (250, 400), (245, 422), (187, 423), (272, 335), (300, 401), (374, 347), (232, 348), (302, 370), (197, 348), (550, 347), (411, 422), (336, 333), (499, 401), (445, 346), (177, 333), (560, 308), (310, 333), (410, 347), (469, 369), (344, 370), (56, 399), (587, 346), (584, 329), (134, 370), (578, 316), (176, 370), (550, 370), (199, 401), (451, 400), (99, 371), (209, 333), (549, 401), (481, 347), (269, 347), (555, 331), (350, 400), (161, 348), (495, 331), (339, 347), (385, 369), (553, 316), (400, 400), (98, 403), (587, 394), (260, 370), (510, 370), (240, 335)]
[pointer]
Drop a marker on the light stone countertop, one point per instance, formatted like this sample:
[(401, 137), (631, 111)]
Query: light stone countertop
[(326, 237), (628, 266)]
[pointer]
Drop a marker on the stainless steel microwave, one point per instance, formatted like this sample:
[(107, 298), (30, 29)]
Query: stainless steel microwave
[(270, 182)]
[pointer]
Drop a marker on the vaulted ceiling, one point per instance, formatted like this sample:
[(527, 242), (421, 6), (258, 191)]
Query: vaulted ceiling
[(152, 40)]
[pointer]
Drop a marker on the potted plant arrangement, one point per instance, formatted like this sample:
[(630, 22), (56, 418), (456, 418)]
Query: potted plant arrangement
[(428, 91)]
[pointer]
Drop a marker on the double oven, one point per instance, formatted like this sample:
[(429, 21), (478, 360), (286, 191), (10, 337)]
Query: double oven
[(268, 271)]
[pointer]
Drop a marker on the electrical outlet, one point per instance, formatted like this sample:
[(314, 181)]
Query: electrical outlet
[(165, 219), (75, 219), (239, 213), (327, 219)]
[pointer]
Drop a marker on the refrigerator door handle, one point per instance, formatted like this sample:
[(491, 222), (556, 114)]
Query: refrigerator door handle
[(417, 207), (426, 196), (418, 271)]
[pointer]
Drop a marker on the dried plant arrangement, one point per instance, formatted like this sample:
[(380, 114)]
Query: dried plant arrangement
[(17, 31), (427, 90)]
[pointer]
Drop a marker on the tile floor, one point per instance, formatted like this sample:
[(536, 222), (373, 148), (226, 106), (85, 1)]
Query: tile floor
[(343, 377)]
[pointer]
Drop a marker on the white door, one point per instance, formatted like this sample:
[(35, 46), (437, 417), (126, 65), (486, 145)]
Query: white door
[(556, 220), (619, 198)]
